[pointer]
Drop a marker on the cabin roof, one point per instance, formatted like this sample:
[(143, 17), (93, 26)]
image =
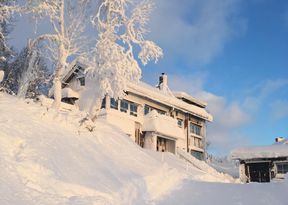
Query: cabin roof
[(272, 151)]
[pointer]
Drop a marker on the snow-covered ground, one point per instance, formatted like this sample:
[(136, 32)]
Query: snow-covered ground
[(46, 158)]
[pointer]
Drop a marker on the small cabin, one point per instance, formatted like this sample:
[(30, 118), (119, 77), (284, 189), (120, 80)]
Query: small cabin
[(263, 163)]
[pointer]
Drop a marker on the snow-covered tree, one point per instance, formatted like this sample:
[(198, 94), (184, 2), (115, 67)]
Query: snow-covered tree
[(34, 74), (27, 75), (121, 26), (7, 8), (67, 18)]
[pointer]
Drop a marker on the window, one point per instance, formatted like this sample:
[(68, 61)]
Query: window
[(282, 168), (114, 103), (197, 155), (195, 129), (198, 142), (133, 109), (123, 106), (103, 104), (82, 81), (148, 109), (180, 123)]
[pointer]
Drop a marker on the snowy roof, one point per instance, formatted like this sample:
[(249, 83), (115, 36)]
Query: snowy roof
[(190, 98), (69, 93), (155, 94), (164, 96), (272, 151), (162, 124)]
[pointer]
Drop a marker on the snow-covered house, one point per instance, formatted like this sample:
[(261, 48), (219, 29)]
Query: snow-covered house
[(263, 163), (154, 117)]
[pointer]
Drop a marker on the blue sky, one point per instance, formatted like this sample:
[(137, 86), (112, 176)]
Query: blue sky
[(231, 53), (234, 55)]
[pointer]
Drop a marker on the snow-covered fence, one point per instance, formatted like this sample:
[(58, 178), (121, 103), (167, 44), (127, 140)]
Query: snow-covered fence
[(203, 166)]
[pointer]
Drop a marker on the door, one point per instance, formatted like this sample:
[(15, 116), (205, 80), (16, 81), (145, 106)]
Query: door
[(139, 136), (259, 172), (161, 144)]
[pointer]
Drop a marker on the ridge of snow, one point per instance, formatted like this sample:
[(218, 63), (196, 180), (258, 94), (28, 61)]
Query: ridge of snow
[(46, 157)]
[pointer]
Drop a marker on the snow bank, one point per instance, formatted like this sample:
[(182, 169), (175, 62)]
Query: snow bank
[(203, 166), (46, 158)]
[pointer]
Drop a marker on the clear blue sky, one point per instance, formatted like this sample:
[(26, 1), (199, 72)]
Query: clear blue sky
[(235, 50), (232, 54)]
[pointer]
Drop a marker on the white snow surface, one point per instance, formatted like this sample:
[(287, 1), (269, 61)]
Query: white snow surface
[(272, 151), (46, 158)]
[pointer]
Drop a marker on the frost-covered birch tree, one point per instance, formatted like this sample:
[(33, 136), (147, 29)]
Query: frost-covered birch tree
[(7, 8), (67, 18), (121, 27)]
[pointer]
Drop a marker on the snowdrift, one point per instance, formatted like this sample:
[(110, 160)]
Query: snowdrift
[(47, 158)]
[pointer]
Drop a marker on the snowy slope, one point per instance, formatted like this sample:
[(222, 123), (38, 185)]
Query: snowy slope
[(47, 159)]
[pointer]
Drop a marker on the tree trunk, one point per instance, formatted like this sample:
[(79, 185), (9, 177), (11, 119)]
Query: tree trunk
[(61, 61)]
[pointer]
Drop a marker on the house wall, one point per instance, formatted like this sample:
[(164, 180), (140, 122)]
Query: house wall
[(126, 122), (245, 173)]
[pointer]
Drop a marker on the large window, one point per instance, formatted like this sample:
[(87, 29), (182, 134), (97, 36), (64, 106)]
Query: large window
[(198, 155), (133, 109), (195, 129), (114, 103), (123, 106), (282, 168), (148, 109)]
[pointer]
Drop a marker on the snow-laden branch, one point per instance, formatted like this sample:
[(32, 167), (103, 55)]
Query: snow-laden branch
[(68, 19), (121, 25), (6, 11)]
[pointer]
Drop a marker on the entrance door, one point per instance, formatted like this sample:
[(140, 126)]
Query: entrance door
[(139, 137), (161, 144), (259, 172)]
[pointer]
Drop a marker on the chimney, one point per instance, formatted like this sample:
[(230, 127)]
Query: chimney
[(279, 139), (163, 81)]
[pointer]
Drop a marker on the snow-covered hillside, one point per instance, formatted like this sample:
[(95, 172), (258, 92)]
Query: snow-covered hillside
[(46, 158)]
